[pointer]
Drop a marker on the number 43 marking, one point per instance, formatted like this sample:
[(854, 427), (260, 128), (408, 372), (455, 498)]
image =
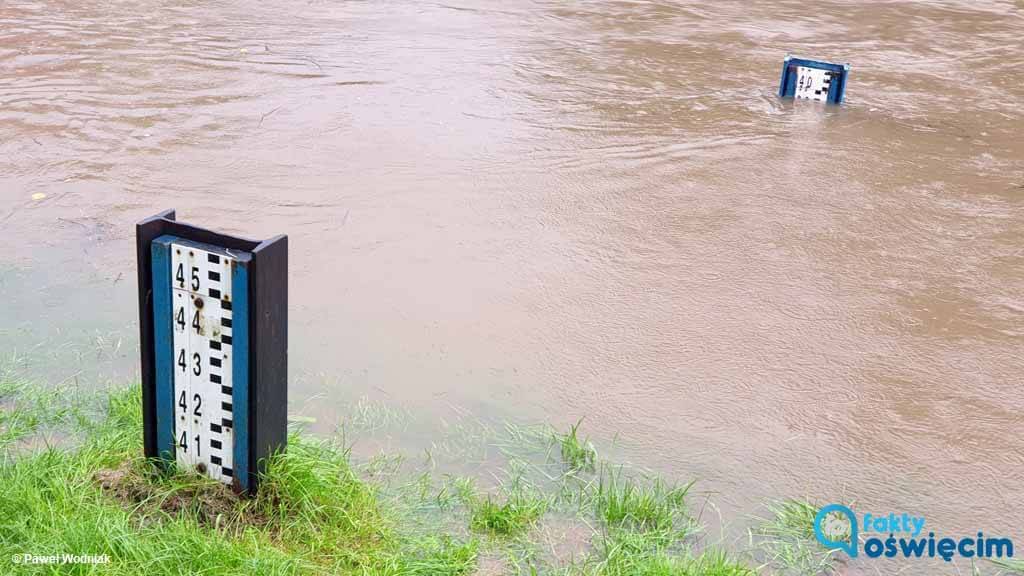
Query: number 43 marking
[(197, 362)]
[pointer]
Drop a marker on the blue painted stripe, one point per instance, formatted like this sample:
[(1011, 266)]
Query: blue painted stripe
[(840, 89), (816, 64), (240, 370), (787, 85), (785, 76), (163, 339)]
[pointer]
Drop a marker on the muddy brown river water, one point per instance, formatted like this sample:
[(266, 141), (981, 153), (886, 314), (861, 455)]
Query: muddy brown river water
[(552, 210)]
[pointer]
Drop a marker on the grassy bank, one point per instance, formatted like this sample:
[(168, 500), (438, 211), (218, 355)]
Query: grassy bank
[(72, 480), (317, 513)]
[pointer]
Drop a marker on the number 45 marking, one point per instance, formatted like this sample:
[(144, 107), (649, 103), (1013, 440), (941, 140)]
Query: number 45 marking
[(179, 275)]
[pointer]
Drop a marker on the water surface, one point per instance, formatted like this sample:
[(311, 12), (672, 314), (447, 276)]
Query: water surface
[(550, 210)]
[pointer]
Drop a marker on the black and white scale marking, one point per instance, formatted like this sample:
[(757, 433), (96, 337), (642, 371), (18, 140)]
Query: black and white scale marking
[(813, 83), (203, 416)]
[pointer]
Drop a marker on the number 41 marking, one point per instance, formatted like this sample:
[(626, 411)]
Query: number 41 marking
[(183, 443)]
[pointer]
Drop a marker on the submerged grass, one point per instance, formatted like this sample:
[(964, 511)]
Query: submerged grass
[(578, 454), (786, 539), (318, 513), (791, 519), (622, 502), (512, 517), (25, 411), (709, 563), (1010, 566)]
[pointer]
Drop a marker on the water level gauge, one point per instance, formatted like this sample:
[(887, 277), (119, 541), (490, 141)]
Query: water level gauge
[(213, 312), (813, 80)]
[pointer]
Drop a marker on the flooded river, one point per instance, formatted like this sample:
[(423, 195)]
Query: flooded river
[(549, 210)]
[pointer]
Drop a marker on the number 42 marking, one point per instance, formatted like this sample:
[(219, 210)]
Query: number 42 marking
[(197, 400)]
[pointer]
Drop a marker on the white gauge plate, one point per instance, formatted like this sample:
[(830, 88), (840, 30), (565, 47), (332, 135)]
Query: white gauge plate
[(813, 83), (201, 307)]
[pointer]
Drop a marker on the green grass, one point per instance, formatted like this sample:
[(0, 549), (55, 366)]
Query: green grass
[(317, 512), (622, 502), (577, 454), (511, 517), (312, 514)]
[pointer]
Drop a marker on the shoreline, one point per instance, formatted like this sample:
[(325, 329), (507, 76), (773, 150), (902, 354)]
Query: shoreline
[(75, 490)]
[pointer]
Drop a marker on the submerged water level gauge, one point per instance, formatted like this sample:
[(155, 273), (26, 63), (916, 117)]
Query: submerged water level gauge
[(213, 315), (813, 80)]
